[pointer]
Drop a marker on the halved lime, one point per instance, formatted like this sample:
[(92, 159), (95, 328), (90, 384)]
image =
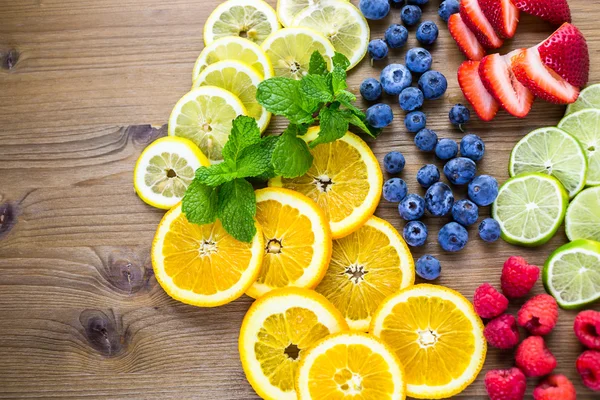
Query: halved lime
[(572, 274), (583, 216), (554, 152), (588, 98), (585, 126), (529, 208)]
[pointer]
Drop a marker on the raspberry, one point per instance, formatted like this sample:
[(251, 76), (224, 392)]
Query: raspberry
[(588, 366), (505, 384), (489, 302), (534, 358), (555, 387), (539, 315), (518, 277), (587, 329), (502, 332)]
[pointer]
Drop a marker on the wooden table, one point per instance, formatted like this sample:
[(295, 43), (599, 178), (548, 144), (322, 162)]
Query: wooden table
[(81, 314)]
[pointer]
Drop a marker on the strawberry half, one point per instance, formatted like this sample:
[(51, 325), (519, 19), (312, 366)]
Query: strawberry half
[(556, 12), (473, 16), (475, 92), (497, 77), (466, 40), (541, 80), (503, 15)]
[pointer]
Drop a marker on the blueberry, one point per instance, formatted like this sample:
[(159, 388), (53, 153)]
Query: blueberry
[(378, 49), (447, 8), (410, 15), (415, 233), (453, 237), (396, 36), (459, 115), (397, 2), (439, 199), (371, 89), (465, 212), (412, 207), (393, 162), (433, 84), (471, 146), (374, 9), (460, 171), (411, 98), (418, 60), (427, 32), (426, 140), (446, 149), (428, 175), (415, 121), (489, 230), (483, 190), (418, 2), (394, 190), (428, 267), (395, 78), (380, 115)]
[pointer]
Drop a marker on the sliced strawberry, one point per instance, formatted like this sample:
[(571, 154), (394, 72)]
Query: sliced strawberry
[(472, 87), (541, 80), (499, 80), (503, 15), (473, 16), (556, 12), (466, 40)]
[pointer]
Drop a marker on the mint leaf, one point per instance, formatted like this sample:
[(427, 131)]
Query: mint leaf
[(318, 65), (346, 98), (237, 208), (283, 96), (215, 175), (291, 156), (338, 80), (340, 61), (317, 87), (244, 132), (268, 143), (200, 203), (334, 125), (254, 161), (360, 122)]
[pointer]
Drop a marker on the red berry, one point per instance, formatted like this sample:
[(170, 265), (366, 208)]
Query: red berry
[(534, 358), (518, 277), (465, 39), (555, 387), (489, 302), (539, 315), (502, 332), (553, 11), (506, 384), (474, 18), (475, 92), (588, 366), (587, 328)]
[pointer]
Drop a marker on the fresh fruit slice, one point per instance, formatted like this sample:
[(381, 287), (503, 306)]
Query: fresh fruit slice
[(298, 241), (436, 327), (205, 116), (351, 365), (366, 267), (583, 216), (475, 92), (254, 20), (529, 208), (572, 274), (503, 15), (275, 333), (472, 15), (290, 49), (344, 180), (203, 265), (585, 126), (341, 23), (287, 10), (588, 98), (498, 78), (241, 80), (554, 11), (466, 40), (554, 152)]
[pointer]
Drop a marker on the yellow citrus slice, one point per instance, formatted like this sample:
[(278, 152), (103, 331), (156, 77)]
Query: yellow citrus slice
[(297, 241), (367, 266), (345, 180), (203, 265), (275, 333), (250, 19), (437, 336), (348, 366), (287, 10), (165, 169)]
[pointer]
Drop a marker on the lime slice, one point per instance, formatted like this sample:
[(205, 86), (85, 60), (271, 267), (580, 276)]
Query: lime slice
[(585, 126), (572, 274), (583, 216), (588, 98), (529, 208), (287, 10), (554, 152), (341, 23)]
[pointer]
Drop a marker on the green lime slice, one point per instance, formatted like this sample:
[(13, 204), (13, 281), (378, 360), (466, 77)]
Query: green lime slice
[(529, 208), (583, 216), (585, 126), (572, 274), (588, 98), (554, 152)]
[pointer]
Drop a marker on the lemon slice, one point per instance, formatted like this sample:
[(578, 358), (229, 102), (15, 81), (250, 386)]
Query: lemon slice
[(366, 267), (341, 23), (287, 10), (241, 80), (275, 333), (205, 116), (165, 169), (297, 241), (254, 20), (345, 180), (290, 49), (203, 265), (351, 365), (437, 336)]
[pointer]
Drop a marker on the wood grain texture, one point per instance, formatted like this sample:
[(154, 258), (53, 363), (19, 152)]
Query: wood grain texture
[(81, 315)]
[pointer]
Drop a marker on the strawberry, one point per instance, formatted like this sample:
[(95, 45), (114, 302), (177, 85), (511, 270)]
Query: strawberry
[(466, 40), (554, 11), (475, 92), (503, 15), (473, 16), (499, 80), (541, 80)]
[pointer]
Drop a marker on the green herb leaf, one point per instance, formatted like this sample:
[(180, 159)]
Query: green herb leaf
[(359, 121), (283, 96), (268, 143), (291, 156), (340, 61), (237, 208), (254, 161), (318, 65), (317, 88), (200, 203), (244, 133), (338, 80), (334, 125), (215, 175)]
